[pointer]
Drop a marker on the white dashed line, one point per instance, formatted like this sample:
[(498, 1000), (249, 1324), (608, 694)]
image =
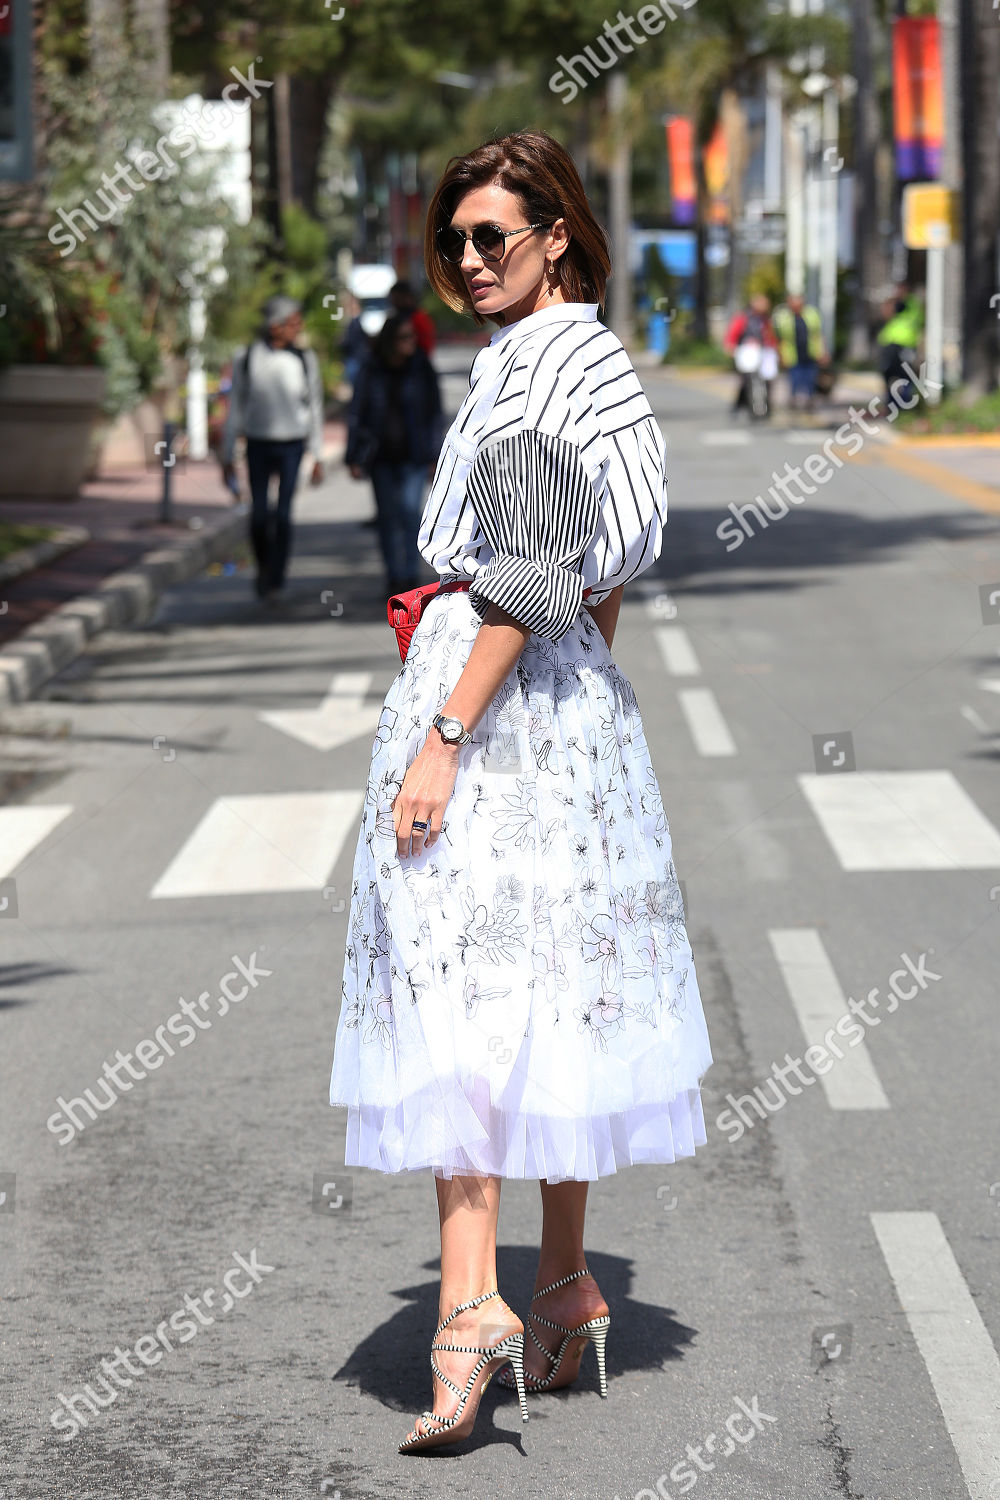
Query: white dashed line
[(952, 1339), (677, 651), (709, 729), (819, 1001)]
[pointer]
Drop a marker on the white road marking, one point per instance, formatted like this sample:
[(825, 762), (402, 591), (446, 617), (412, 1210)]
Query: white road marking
[(902, 820), (805, 436), (22, 829), (819, 1001), (952, 1339), (275, 842), (725, 438), (709, 729), (677, 651), (343, 714)]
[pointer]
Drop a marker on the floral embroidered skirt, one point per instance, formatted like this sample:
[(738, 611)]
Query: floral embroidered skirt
[(519, 1000)]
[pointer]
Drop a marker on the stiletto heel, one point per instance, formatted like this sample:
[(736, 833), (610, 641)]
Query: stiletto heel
[(517, 1365), (454, 1428), (594, 1329), (599, 1335)]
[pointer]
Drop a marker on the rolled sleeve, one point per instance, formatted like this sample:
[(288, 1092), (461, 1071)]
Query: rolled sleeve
[(538, 510)]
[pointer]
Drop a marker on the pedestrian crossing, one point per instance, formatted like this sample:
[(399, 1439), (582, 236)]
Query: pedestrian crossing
[(287, 841)]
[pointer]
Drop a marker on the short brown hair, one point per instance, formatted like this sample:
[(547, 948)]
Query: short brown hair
[(542, 174)]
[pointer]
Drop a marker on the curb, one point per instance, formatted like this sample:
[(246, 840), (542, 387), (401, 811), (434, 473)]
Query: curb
[(27, 559), (123, 599)]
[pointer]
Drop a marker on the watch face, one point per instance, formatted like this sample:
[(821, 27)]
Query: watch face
[(451, 728)]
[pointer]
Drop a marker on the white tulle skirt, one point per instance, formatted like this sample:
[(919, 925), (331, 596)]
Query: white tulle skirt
[(520, 999)]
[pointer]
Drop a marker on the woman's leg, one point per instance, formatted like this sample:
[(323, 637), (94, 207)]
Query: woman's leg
[(564, 1212), (468, 1209)]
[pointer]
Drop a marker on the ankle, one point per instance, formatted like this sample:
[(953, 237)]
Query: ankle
[(555, 1270), (454, 1296)]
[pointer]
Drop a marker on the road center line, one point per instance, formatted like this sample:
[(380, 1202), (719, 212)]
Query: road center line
[(819, 1001), (709, 729), (952, 1339), (677, 651)]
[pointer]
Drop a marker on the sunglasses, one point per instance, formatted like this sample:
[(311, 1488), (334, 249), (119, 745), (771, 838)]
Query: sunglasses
[(488, 241)]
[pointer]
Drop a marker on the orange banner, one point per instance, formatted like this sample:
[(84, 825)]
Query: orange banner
[(680, 152), (918, 100), (717, 174)]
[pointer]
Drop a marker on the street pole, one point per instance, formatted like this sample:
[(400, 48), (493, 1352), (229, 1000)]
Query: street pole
[(620, 208), (951, 176)]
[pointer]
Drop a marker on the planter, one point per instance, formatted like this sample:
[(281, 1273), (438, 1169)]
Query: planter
[(47, 417)]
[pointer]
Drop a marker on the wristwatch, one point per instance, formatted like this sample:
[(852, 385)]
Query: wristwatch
[(452, 731)]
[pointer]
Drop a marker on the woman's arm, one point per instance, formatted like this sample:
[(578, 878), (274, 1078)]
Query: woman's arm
[(430, 779), (606, 613)]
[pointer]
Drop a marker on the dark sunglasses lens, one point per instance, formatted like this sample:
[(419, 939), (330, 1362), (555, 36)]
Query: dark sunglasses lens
[(488, 241), (451, 243)]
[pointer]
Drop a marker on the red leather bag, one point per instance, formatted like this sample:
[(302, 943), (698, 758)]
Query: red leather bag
[(404, 610)]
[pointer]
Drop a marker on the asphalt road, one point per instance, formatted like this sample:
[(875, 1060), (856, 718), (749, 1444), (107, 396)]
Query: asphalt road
[(830, 1268)]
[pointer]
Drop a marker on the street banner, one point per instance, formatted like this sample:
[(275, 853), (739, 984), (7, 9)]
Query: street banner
[(680, 153), (918, 101), (717, 175)]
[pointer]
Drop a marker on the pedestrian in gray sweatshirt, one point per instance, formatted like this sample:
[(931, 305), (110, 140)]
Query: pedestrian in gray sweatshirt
[(276, 403)]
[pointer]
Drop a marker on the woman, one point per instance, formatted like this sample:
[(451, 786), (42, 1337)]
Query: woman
[(394, 433), (519, 996)]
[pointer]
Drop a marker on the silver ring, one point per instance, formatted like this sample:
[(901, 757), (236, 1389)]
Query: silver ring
[(418, 824)]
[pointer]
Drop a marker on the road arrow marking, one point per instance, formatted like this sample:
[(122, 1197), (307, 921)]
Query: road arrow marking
[(343, 714)]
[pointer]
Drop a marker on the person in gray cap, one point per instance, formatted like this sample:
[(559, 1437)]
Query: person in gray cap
[(276, 403)]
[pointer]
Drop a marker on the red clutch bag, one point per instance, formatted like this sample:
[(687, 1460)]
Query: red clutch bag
[(404, 610)]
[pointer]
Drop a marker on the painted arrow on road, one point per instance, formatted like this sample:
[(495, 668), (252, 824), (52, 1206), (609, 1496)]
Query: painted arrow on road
[(343, 714)]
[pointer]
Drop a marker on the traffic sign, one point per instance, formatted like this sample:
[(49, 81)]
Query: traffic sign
[(930, 216)]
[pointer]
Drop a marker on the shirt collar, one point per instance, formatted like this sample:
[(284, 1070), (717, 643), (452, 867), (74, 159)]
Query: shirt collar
[(560, 312)]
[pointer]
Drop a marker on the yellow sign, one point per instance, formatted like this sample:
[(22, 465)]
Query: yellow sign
[(930, 216)]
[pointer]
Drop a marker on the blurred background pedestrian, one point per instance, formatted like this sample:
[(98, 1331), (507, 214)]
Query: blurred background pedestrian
[(276, 403), (395, 429), (801, 348)]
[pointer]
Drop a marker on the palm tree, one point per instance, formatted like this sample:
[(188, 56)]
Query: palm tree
[(980, 91)]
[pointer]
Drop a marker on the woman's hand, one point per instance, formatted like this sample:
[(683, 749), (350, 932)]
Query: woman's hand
[(356, 471), (424, 795)]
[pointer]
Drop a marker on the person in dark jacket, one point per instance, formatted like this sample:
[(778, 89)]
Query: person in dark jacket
[(395, 429)]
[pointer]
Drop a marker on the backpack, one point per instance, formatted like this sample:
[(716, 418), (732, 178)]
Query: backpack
[(291, 348)]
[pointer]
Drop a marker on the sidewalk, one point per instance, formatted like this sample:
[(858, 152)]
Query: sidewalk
[(116, 576)]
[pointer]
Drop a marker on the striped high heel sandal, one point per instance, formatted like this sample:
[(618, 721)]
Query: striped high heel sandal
[(458, 1426), (594, 1329)]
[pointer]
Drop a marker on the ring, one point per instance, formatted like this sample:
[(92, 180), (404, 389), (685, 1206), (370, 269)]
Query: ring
[(417, 824)]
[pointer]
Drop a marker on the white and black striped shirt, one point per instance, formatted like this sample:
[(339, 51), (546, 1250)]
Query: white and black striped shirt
[(552, 477)]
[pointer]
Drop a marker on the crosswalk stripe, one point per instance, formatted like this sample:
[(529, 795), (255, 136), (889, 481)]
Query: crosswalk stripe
[(677, 651), (725, 439), (902, 820), (709, 729), (952, 1339), (274, 842), (819, 1001), (22, 829)]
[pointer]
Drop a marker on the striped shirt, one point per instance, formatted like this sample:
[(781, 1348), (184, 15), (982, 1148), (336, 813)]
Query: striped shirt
[(552, 477)]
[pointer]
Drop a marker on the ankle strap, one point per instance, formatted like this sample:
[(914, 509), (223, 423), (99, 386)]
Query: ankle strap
[(562, 1282), (464, 1307)]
